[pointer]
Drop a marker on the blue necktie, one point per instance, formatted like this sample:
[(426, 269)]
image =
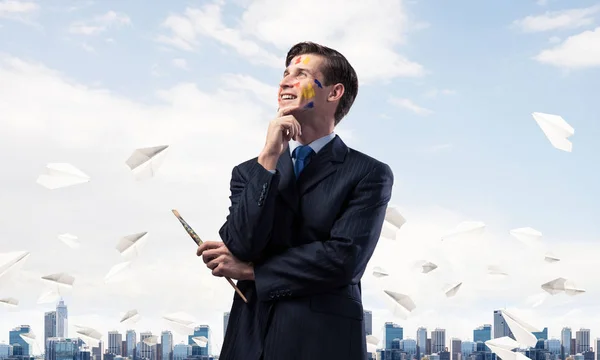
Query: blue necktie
[(301, 154)]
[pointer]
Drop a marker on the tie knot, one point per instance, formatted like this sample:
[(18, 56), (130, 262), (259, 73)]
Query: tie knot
[(302, 152)]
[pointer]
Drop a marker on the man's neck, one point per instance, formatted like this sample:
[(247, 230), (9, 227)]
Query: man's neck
[(314, 130)]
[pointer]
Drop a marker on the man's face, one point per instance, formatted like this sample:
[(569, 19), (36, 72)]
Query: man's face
[(301, 87)]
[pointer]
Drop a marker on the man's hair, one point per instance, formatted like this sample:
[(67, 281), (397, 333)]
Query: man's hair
[(335, 69)]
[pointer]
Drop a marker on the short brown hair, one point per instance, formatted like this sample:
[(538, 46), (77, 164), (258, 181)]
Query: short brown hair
[(336, 69)]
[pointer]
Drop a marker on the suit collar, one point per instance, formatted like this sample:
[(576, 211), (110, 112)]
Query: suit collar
[(322, 165)]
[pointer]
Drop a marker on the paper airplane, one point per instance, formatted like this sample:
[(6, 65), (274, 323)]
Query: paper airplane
[(151, 340), (559, 285), (180, 322), (528, 236), (49, 297), (496, 270), (466, 228), (12, 262), (556, 129), (551, 258), (503, 347), (452, 290), (402, 300), (379, 272), (521, 330), (428, 267), (60, 279), (393, 216), (9, 302), (91, 336), (201, 341), (144, 163), (132, 316), (59, 175), (372, 343), (69, 240), (131, 244), (116, 271)]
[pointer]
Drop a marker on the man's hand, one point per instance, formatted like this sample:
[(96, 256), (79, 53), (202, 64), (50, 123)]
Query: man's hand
[(217, 257), (281, 130)]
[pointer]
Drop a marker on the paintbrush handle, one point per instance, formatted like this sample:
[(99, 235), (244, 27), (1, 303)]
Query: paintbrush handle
[(198, 241)]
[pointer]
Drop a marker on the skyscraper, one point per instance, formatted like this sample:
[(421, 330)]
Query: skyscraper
[(225, 322), (145, 350), (582, 341), (114, 342), (49, 329), (456, 350), (202, 330), (392, 331), (368, 316), (421, 342), (482, 333), (500, 326), (565, 343), (438, 341), (131, 340), (62, 322), (166, 340), (541, 335), (20, 346)]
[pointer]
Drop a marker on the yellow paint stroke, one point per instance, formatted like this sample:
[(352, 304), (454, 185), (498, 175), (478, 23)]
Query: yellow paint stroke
[(308, 92), (305, 61)]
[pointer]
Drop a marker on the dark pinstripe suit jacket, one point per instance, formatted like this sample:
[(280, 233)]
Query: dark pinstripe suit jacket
[(310, 240)]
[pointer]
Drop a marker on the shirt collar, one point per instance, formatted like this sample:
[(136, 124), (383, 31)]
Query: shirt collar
[(315, 145)]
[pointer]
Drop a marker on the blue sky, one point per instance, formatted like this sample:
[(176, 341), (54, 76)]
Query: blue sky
[(469, 143)]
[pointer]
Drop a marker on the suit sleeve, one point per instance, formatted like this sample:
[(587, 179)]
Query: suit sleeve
[(341, 260), (248, 226)]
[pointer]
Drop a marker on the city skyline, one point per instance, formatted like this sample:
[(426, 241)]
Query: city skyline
[(446, 97)]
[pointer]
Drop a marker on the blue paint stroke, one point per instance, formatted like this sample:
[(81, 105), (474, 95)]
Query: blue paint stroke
[(318, 83), (310, 105)]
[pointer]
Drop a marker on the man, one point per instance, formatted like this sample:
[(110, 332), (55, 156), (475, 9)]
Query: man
[(304, 220)]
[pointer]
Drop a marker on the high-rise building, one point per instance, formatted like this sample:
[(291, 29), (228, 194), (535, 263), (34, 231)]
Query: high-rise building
[(467, 348), (166, 340), (144, 350), (202, 330), (225, 322), (98, 352), (368, 318), (565, 343), (114, 342), (598, 349), (541, 335), (582, 341), (124, 348), (553, 347), (421, 342), (49, 329), (392, 331), (438, 341), (482, 333), (20, 346), (131, 340), (62, 348), (62, 320), (409, 346), (428, 347), (5, 351), (182, 351), (501, 328), (456, 350)]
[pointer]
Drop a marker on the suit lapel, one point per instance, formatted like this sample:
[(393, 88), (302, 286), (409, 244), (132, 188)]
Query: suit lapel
[(287, 183), (323, 164)]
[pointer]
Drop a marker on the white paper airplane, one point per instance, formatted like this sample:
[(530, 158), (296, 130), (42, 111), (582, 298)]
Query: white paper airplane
[(521, 330), (12, 262), (115, 273), (404, 301), (131, 244), (144, 162), (49, 297), (529, 236), (452, 290), (201, 341), (60, 279), (130, 317), (59, 175), (69, 240), (466, 228), (393, 216), (556, 129), (9, 302), (503, 347), (91, 336), (551, 258), (559, 285), (379, 272)]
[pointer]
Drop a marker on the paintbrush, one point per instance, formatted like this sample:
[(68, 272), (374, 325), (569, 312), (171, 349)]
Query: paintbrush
[(198, 241)]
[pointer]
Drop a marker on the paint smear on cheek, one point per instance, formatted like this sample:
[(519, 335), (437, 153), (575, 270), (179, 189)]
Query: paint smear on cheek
[(310, 105), (318, 84), (306, 59), (308, 92), (298, 59)]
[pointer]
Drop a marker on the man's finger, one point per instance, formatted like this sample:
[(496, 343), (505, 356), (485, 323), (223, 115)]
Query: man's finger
[(210, 254), (208, 245), (286, 110), (212, 264), (218, 271)]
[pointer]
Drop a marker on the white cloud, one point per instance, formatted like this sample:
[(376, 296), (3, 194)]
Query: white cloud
[(180, 63), (435, 92), (364, 32), (99, 24), (11, 7), (576, 52), (410, 105), (554, 20), (554, 40)]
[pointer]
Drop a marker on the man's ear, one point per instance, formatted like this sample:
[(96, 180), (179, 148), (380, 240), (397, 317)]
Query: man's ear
[(336, 92)]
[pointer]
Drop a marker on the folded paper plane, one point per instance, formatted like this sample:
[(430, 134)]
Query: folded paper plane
[(556, 129), (522, 331), (466, 228), (59, 175), (144, 163)]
